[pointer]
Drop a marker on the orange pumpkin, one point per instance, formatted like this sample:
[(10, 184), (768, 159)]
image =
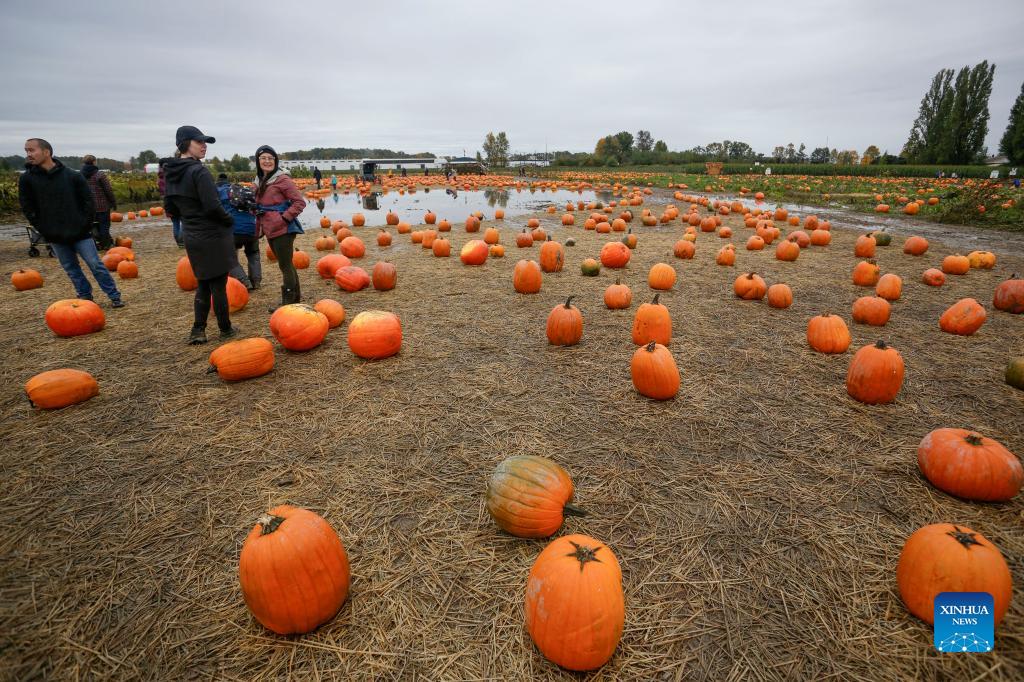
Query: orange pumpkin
[(184, 275), (529, 496), (755, 243), (750, 287), (526, 277), (943, 557), (384, 276), (933, 277), (875, 374), (573, 570), (821, 237), (982, 260), (827, 333), (618, 296), (474, 252), (683, 249), (654, 372), (652, 322), (969, 465), (74, 317), (614, 255), (351, 278), (242, 359), (726, 255), (963, 317), (787, 250), (358, 220), (780, 296), (441, 248), (496, 251), (327, 266), (26, 278), (889, 287), (238, 295), (873, 310), (300, 259), (956, 265), (866, 273), (375, 334), (383, 238), (915, 246), (1009, 295), (127, 269), (298, 327), (332, 310), (293, 570), (864, 247), (59, 388), (353, 247), (552, 256), (565, 325), (661, 276)]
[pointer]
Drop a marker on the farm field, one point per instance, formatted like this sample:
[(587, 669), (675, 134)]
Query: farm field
[(758, 516)]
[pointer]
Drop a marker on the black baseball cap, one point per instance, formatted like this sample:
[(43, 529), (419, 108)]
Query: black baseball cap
[(186, 133)]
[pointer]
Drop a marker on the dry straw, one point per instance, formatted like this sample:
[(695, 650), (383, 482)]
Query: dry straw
[(758, 517)]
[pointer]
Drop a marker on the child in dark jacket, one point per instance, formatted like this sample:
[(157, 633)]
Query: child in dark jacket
[(239, 202)]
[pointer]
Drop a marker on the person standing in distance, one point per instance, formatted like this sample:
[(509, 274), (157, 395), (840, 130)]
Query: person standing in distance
[(278, 205), (59, 205), (207, 229), (103, 196)]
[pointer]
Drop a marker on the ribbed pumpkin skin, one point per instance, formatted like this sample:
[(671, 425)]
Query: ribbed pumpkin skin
[(652, 322), (933, 561), (375, 334), (295, 578), (969, 465), (526, 496), (243, 359), (654, 372), (61, 387), (74, 317), (298, 327), (575, 611), (875, 375)]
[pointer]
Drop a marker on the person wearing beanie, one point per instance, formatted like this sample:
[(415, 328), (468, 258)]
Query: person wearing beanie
[(206, 227), (103, 197), (278, 205)]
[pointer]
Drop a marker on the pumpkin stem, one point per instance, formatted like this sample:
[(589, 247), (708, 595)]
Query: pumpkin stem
[(584, 554), (880, 344), (211, 369), (964, 538), (655, 301), (270, 523), (650, 347), (573, 510), (973, 438)]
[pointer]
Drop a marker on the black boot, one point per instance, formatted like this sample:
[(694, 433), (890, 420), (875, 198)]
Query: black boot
[(286, 298), (198, 336)]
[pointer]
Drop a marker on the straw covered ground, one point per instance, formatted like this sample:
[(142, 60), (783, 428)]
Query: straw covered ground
[(758, 517)]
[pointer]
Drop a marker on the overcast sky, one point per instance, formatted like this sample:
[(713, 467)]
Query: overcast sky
[(114, 77)]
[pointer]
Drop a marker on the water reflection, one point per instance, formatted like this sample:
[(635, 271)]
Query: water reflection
[(371, 201), (496, 196), (452, 204)]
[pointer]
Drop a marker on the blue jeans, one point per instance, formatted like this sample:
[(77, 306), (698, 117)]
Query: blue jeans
[(176, 229), (68, 255)]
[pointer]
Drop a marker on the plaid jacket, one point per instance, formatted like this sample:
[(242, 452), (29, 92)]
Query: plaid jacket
[(102, 192)]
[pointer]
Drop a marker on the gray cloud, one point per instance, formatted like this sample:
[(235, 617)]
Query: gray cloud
[(115, 77)]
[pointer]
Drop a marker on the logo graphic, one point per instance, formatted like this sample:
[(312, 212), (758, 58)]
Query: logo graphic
[(964, 622)]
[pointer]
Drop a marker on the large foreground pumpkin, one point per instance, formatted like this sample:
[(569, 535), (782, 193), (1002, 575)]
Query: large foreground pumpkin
[(375, 334), (298, 327), (969, 465), (942, 557), (529, 496), (575, 610), (58, 388), (74, 317), (242, 359), (294, 571)]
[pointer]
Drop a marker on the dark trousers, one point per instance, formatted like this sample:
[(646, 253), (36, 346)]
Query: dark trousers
[(101, 230), (215, 289), (283, 247), (251, 247)]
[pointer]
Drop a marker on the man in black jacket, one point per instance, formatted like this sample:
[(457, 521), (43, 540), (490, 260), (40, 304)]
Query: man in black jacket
[(59, 205)]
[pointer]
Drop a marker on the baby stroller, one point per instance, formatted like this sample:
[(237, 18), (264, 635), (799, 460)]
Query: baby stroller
[(34, 240)]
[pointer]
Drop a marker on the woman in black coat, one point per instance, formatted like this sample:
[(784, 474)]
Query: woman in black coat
[(208, 229)]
